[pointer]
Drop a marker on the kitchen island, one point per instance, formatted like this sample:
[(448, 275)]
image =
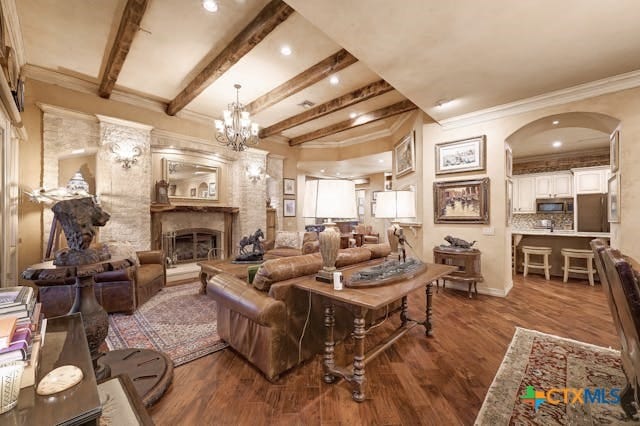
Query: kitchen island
[(557, 240)]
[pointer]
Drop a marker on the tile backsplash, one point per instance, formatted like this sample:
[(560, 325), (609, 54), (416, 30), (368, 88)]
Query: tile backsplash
[(526, 221)]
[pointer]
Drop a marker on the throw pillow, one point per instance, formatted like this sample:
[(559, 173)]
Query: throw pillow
[(351, 256), (285, 268), (123, 249), (286, 239)]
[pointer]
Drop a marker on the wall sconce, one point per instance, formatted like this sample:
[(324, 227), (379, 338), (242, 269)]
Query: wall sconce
[(127, 154), (255, 172)]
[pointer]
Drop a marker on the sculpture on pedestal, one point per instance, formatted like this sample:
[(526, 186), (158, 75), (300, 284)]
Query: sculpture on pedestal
[(458, 243)]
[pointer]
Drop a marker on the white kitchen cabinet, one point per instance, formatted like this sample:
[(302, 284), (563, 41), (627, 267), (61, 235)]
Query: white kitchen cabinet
[(554, 185), (591, 180), (524, 194)]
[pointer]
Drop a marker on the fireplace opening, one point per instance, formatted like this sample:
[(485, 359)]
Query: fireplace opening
[(191, 245)]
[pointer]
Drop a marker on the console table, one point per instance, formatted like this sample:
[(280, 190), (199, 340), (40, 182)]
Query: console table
[(467, 263), (361, 300)]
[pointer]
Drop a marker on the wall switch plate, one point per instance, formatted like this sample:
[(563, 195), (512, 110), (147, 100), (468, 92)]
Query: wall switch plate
[(489, 231)]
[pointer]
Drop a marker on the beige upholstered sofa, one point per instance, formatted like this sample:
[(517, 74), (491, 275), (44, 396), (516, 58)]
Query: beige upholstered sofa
[(289, 243), (264, 321)]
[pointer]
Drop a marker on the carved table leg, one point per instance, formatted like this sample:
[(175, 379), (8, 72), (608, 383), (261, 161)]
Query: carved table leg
[(329, 344), (428, 324), (94, 319), (204, 277), (404, 311), (358, 358)]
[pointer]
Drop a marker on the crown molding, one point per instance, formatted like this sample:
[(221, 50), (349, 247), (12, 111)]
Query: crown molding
[(85, 86), (558, 97), (14, 30), (65, 112), (124, 123)]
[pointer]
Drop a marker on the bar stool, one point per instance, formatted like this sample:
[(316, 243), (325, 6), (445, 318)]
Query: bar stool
[(545, 252), (569, 254)]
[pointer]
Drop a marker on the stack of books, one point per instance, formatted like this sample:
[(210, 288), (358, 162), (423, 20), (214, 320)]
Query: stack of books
[(19, 322)]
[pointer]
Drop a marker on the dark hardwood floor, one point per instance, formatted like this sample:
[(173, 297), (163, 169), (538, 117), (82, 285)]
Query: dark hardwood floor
[(440, 380)]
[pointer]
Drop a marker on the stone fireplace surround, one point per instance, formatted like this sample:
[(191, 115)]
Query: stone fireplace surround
[(128, 194)]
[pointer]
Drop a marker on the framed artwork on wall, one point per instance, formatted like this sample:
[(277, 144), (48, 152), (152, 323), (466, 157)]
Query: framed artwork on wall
[(614, 151), (405, 155), (192, 192), (465, 155), (162, 192), (289, 186), (508, 166), (289, 208), (212, 190), (509, 212), (461, 201), (613, 198)]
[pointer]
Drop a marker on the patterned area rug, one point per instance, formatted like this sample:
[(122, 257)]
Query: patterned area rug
[(536, 363), (177, 321)]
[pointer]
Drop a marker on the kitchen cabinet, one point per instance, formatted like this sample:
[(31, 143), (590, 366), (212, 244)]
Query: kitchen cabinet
[(591, 180), (554, 185), (524, 194)]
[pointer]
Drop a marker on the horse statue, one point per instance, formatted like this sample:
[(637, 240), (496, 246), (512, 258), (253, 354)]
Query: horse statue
[(256, 252)]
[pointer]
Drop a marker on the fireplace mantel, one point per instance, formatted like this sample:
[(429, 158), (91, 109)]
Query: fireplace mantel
[(157, 210)]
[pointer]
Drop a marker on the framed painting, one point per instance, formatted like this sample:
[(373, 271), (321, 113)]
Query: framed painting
[(613, 198), (289, 186), (614, 151), (162, 192), (464, 155), (509, 212), (192, 192), (212, 190), (461, 201), (405, 155), (508, 166), (289, 208)]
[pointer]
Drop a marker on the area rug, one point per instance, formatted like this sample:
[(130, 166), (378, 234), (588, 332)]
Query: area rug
[(538, 366), (177, 321)]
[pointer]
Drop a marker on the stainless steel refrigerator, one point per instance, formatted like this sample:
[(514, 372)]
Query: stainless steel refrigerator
[(592, 213)]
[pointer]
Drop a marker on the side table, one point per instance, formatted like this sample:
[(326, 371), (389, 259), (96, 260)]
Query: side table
[(466, 260)]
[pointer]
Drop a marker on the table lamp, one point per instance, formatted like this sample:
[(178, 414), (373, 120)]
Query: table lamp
[(329, 199), (395, 205)]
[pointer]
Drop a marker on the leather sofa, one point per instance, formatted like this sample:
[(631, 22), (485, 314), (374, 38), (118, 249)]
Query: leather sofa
[(117, 291), (264, 321), (305, 243)]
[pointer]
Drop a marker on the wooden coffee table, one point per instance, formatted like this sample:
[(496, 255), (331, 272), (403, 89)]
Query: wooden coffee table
[(210, 268), (361, 300)]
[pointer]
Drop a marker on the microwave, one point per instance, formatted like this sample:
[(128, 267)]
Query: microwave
[(554, 205)]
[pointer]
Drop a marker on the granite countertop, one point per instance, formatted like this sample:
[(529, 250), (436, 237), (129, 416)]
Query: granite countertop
[(561, 233)]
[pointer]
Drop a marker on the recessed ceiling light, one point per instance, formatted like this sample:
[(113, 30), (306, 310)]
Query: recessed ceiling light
[(321, 170), (353, 115), (556, 144), (555, 122), (334, 80), (210, 5), (381, 161), (337, 173), (285, 50), (443, 103)]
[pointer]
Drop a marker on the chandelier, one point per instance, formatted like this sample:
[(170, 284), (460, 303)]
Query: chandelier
[(236, 131)]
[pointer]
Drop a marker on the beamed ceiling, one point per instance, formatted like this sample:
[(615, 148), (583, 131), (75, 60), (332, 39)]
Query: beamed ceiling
[(390, 58), (175, 52)]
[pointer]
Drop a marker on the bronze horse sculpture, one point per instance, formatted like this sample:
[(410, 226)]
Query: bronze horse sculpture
[(256, 252)]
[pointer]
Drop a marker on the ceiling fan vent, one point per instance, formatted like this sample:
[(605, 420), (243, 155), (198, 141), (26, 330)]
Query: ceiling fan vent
[(306, 104)]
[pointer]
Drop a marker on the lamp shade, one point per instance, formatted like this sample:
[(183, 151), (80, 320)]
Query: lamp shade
[(395, 204), (330, 198)]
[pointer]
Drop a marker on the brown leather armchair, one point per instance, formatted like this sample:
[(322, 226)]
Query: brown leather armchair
[(619, 277)]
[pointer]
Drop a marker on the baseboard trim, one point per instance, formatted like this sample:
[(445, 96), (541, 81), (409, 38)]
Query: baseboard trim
[(489, 291)]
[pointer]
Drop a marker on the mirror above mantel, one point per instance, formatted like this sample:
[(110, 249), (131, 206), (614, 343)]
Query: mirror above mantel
[(193, 181)]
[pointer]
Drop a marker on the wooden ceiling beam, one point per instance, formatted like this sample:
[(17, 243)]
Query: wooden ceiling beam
[(359, 95), (275, 13), (129, 26), (306, 78), (370, 117)]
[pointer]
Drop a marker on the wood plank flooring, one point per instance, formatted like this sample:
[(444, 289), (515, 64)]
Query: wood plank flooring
[(433, 381)]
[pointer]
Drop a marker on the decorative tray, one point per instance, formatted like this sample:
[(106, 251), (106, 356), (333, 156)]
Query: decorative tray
[(388, 272)]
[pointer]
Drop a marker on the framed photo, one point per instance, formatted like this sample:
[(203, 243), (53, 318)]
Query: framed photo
[(212, 189), (509, 212), (289, 186), (613, 198), (614, 151), (461, 156), (405, 155), (461, 201), (508, 166), (192, 192), (289, 208)]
